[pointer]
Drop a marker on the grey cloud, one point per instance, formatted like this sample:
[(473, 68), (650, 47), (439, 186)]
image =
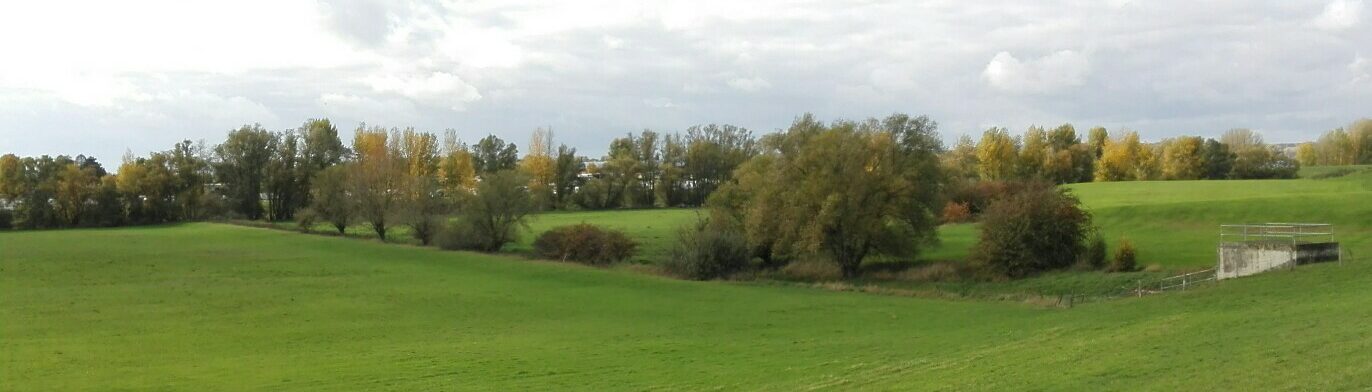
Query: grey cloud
[(1160, 67)]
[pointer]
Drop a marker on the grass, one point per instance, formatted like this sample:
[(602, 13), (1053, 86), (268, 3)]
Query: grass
[(1174, 224), (215, 307)]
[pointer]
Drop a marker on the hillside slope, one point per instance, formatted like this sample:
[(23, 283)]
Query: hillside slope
[(213, 307)]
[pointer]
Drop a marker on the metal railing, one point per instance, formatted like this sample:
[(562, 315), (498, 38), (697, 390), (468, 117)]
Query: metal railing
[(1285, 232)]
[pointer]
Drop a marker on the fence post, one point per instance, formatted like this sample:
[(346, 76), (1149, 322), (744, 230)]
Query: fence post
[(1140, 290)]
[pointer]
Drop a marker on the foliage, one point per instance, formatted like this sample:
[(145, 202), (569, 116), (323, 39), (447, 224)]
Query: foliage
[(1183, 158), (1035, 230), (1122, 159), (955, 212), (584, 243), (1096, 251), (241, 167), (846, 190), (329, 198), (709, 249), (567, 169), (491, 154), (493, 215), (540, 166), (374, 177), (997, 155), (1126, 258), (424, 208)]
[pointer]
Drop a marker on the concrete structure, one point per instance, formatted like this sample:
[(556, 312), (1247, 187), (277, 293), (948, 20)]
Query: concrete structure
[(1250, 249)]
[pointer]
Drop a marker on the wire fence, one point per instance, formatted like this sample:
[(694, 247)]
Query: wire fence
[(1176, 283)]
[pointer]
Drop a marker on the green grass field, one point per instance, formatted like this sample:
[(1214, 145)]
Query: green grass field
[(217, 307), (220, 307)]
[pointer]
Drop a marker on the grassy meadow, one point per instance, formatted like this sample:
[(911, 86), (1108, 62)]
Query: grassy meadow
[(220, 307)]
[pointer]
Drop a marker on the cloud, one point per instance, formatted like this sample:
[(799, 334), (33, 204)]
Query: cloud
[(1048, 74), (1361, 68), (752, 84), (1339, 15), (440, 89), (595, 69)]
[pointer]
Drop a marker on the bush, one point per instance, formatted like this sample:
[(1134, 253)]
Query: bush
[(1039, 229), (1126, 258), (977, 196), (492, 216), (708, 251), (6, 219), (304, 219), (955, 212), (458, 235), (1095, 254), (586, 244)]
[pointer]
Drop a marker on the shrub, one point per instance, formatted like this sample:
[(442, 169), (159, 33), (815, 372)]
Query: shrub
[(491, 217), (1126, 258), (812, 271), (708, 251), (6, 219), (458, 235), (1039, 229), (978, 195), (1095, 254), (304, 219), (955, 212), (584, 243)]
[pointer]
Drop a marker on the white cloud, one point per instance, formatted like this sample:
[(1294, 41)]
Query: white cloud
[(437, 89), (1048, 74), (752, 84), (1361, 68), (346, 108), (1339, 15)]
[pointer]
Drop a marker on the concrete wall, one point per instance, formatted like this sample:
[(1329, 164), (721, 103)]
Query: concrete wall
[(1238, 259)]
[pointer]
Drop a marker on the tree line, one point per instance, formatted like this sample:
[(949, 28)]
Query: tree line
[(384, 177), (1351, 145), (1061, 155)]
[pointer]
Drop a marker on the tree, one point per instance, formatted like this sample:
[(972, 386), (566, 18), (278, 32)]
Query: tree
[(329, 197), (376, 178), (190, 169), (539, 165), (492, 155), (845, 190), (491, 216), (1097, 138), (672, 187), (997, 155), (1360, 139), (1067, 160), (1121, 159), (456, 170), (12, 183), (285, 185), (241, 167), (1307, 155), (712, 153), (1254, 159), (424, 208), (1034, 153), (1183, 158), (75, 187), (567, 171), (1217, 160), (1038, 229), (961, 161), (322, 149)]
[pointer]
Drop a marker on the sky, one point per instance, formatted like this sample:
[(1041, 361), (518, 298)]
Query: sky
[(102, 78)]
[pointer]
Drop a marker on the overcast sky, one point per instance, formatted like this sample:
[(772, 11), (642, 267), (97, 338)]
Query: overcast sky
[(101, 77)]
